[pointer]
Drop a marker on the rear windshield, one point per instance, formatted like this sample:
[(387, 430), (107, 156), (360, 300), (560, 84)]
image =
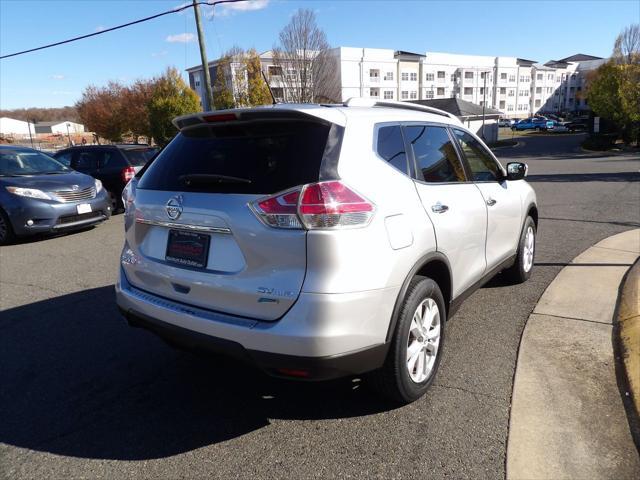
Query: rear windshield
[(253, 158), (139, 156)]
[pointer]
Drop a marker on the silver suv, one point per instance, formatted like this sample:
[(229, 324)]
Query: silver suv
[(319, 241)]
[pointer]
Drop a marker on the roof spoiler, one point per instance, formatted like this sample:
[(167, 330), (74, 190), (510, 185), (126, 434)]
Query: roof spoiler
[(368, 102)]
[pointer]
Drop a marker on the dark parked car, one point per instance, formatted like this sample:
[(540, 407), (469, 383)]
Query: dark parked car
[(577, 125), (39, 194), (113, 165)]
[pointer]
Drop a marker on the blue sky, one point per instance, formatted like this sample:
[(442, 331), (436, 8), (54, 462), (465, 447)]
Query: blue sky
[(539, 30)]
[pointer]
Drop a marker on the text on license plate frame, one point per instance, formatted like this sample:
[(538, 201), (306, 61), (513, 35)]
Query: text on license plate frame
[(192, 249)]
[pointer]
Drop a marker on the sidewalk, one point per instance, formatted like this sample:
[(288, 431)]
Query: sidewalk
[(567, 415)]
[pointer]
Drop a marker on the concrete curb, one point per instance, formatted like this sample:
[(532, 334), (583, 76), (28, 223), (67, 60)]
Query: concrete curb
[(567, 416), (628, 319)]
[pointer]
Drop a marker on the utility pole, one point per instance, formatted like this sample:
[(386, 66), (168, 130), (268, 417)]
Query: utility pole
[(484, 100), (208, 102), (29, 128)]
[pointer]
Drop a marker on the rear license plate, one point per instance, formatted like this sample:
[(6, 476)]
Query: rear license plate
[(188, 248), (83, 208)]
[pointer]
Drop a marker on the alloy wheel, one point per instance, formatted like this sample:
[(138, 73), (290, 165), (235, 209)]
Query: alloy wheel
[(423, 340), (529, 246)]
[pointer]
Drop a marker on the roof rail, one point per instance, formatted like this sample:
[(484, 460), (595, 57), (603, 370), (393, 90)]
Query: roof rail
[(367, 102)]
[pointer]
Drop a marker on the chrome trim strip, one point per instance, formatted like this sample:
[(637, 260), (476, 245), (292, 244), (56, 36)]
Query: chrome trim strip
[(184, 226)]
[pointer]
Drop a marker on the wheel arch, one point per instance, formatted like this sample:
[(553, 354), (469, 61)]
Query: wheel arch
[(433, 265), (532, 211)]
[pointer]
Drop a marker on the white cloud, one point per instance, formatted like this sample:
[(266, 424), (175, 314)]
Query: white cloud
[(100, 28), (57, 77), (181, 38), (230, 8), (182, 5), (159, 54)]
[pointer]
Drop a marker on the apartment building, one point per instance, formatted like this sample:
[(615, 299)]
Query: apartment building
[(515, 86)]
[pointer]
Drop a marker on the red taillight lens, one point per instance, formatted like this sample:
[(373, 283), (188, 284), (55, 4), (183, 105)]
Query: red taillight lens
[(318, 205), (333, 204), (280, 211), (128, 173)]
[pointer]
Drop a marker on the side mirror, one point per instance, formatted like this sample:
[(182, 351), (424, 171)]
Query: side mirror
[(516, 170)]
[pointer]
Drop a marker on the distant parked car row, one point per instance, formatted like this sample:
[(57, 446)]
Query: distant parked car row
[(75, 188), (545, 123)]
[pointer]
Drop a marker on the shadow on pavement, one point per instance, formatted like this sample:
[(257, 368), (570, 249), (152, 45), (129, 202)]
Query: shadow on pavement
[(586, 177), (77, 381)]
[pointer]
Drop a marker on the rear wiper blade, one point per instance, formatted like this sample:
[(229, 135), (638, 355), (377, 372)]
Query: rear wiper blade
[(200, 178)]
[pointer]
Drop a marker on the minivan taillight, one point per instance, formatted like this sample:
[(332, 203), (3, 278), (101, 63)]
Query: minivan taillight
[(322, 205), (127, 173)]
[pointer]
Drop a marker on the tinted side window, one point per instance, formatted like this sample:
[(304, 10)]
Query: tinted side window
[(391, 147), (435, 155), (64, 158), (483, 166), (87, 160)]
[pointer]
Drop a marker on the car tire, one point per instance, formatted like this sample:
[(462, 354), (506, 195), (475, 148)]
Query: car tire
[(404, 378), (6, 229), (115, 203), (523, 266)]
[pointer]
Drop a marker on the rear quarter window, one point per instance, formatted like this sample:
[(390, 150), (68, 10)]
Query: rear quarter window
[(269, 156)]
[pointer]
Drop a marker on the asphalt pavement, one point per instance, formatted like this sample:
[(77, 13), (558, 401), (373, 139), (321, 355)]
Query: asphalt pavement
[(83, 395)]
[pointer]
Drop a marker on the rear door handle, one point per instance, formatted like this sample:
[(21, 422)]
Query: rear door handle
[(491, 202), (439, 208)]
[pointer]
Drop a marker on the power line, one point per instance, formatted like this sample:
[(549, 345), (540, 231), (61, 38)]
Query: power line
[(106, 30)]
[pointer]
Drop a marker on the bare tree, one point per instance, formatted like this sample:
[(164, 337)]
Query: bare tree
[(305, 67), (626, 50)]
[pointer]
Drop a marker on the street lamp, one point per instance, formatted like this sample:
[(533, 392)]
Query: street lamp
[(68, 136)]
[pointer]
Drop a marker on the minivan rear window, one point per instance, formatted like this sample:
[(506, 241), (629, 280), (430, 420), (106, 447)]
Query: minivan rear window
[(139, 156), (259, 157)]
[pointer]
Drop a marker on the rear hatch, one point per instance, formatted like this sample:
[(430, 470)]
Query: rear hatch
[(197, 237)]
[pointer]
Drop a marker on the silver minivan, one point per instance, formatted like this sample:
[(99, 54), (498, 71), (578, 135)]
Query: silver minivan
[(319, 241)]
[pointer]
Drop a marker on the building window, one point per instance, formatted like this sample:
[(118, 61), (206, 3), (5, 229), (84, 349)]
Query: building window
[(440, 75), (278, 92), (503, 76), (414, 95), (374, 75), (510, 108), (538, 89), (274, 71), (413, 76), (468, 90), (374, 93), (539, 76), (468, 75), (440, 91), (502, 104), (429, 94), (537, 103), (503, 90), (197, 83), (388, 95), (558, 78), (292, 74), (405, 76), (481, 90), (404, 95), (549, 89), (512, 92), (388, 76), (429, 77), (550, 76), (570, 100), (523, 106), (453, 77)]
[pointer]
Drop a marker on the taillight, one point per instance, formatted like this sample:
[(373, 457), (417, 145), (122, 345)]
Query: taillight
[(128, 173), (279, 211), (322, 205)]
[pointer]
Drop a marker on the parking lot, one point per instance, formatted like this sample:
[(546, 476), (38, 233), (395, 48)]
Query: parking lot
[(83, 395)]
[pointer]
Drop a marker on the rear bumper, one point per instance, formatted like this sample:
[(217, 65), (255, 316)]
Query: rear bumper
[(321, 337), (280, 365)]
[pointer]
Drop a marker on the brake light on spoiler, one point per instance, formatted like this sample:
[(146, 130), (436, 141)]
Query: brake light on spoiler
[(322, 205)]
